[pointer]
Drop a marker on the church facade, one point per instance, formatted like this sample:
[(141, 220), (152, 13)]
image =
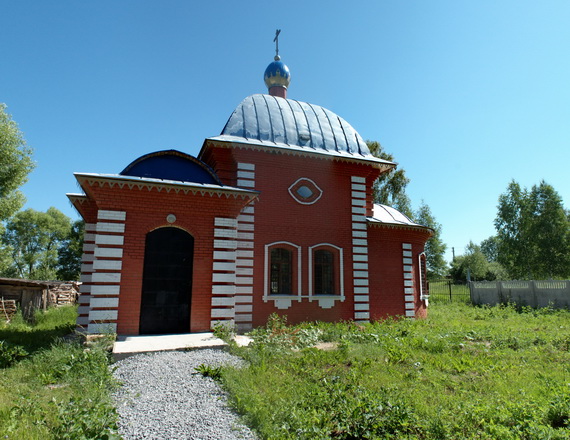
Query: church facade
[(275, 215)]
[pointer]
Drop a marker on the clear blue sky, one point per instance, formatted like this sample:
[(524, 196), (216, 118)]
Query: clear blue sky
[(466, 95)]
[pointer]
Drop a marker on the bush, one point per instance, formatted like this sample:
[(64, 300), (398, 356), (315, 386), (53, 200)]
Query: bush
[(10, 354)]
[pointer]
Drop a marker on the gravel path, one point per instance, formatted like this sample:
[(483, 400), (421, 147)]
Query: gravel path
[(160, 398)]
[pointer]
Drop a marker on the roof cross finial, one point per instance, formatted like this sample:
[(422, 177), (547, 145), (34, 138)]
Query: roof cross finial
[(276, 41)]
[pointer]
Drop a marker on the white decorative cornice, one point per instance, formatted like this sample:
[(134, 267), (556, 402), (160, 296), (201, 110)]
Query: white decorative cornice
[(167, 186), (76, 197), (269, 147)]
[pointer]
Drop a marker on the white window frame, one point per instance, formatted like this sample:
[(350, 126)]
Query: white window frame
[(423, 295), (327, 301), (281, 301)]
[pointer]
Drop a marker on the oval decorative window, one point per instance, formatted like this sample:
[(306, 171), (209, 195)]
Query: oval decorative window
[(305, 191)]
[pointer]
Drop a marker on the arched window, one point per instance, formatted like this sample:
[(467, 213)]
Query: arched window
[(281, 276), (324, 276), (282, 269)]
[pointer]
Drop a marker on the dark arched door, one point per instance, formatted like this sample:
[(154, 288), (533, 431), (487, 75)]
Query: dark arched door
[(167, 282)]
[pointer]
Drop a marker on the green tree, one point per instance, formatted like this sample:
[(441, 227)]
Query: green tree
[(390, 188), (475, 266), (533, 232), (33, 238), (70, 252), (550, 233), (15, 165), (490, 248), (435, 247)]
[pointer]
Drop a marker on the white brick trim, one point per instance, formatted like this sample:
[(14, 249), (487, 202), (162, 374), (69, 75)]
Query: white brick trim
[(225, 233), (223, 278), (109, 239), (223, 290), (408, 280), (225, 244), (108, 265), (225, 222), (224, 301), (246, 166), (108, 252), (106, 277), (244, 308), (225, 255), (246, 183), (103, 315), (224, 266), (246, 175), (105, 290), (110, 227), (111, 215), (105, 328), (244, 318), (223, 313), (360, 274), (104, 302)]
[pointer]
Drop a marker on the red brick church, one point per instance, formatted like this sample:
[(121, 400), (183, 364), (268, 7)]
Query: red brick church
[(274, 215)]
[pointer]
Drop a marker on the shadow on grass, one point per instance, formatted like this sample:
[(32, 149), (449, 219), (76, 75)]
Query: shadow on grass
[(34, 339)]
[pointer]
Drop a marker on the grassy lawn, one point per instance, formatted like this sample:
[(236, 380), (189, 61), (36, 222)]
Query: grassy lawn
[(463, 373), (51, 389)]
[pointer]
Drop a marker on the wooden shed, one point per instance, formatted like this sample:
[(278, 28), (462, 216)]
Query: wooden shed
[(31, 295)]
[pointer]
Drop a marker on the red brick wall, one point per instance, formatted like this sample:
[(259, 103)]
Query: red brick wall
[(278, 217), (146, 210), (387, 273)]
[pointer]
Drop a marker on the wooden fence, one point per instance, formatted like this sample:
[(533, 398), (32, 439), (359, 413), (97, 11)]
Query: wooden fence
[(524, 293)]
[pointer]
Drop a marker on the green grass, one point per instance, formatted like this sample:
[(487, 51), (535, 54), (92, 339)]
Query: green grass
[(463, 373), (53, 389)]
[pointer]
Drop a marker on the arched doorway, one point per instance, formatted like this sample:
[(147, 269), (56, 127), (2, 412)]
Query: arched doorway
[(167, 282)]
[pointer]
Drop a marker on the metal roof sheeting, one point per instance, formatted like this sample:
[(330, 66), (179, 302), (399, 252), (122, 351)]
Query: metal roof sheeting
[(286, 123), (388, 215)]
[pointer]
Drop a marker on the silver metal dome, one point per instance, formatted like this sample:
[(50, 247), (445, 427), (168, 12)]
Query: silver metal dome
[(285, 123)]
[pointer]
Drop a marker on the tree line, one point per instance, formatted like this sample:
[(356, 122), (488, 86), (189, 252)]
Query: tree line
[(532, 239), (33, 244)]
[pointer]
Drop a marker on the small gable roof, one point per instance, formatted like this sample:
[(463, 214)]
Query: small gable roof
[(386, 215)]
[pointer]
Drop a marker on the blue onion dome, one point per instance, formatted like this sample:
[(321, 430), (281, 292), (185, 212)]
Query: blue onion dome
[(277, 74)]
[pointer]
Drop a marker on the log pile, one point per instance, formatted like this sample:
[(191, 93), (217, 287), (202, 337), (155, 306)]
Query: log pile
[(8, 309), (63, 294)]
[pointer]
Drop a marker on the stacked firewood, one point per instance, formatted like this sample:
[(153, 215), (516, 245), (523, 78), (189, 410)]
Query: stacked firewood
[(7, 309), (63, 294)]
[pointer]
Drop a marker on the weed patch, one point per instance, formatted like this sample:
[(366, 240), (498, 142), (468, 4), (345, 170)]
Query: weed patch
[(464, 373), (51, 389)]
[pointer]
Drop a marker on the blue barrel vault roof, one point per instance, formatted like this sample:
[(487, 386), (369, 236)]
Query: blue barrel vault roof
[(272, 121), (171, 165)]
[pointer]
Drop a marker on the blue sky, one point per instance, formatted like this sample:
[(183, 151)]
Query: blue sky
[(466, 95)]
